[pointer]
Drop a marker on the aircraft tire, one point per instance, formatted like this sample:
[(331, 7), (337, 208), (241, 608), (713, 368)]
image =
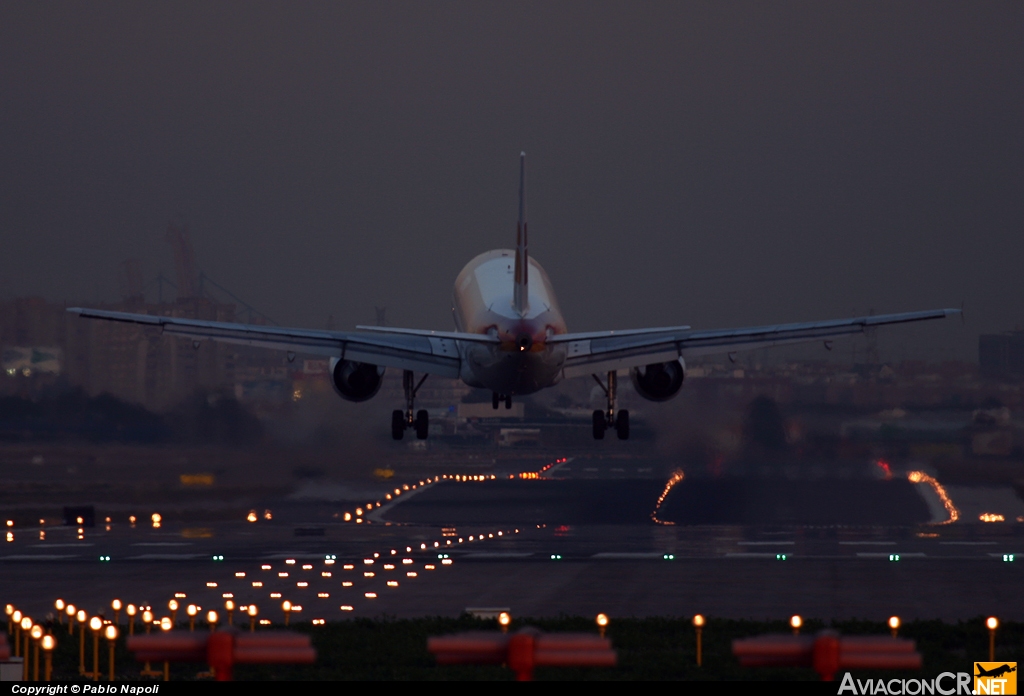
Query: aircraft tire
[(397, 424), (622, 425), (495, 398), (599, 425), (422, 424), (508, 402)]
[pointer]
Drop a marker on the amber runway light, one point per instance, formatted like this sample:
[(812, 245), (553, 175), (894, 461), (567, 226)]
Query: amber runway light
[(992, 623), (602, 623), (26, 628), (698, 627), (16, 624), (110, 633), (95, 625), (48, 643), (504, 619), (37, 634), (796, 622), (894, 625), (131, 610)]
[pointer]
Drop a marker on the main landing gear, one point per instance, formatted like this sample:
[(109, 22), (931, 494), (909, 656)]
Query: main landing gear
[(497, 398), (401, 421), (603, 420)]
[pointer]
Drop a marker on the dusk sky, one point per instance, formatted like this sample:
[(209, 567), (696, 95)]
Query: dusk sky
[(714, 164)]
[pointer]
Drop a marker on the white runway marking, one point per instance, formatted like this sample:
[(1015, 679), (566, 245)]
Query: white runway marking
[(38, 557), (496, 554), (752, 554), (167, 557), (628, 555)]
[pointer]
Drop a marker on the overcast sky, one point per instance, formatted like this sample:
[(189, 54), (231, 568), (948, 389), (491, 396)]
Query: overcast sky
[(716, 164)]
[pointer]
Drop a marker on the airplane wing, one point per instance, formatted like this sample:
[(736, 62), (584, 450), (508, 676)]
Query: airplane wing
[(593, 355), (433, 352)]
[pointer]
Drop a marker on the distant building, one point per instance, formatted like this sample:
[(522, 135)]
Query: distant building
[(39, 340)]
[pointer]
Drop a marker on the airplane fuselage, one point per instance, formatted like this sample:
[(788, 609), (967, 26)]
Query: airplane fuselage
[(482, 302)]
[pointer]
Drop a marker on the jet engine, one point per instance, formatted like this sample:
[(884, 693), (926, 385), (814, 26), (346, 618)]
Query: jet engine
[(355, 381), (660, 381)]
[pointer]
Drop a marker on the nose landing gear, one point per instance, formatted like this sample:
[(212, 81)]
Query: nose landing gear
[(497, 398), (603, 420), (402, 421)]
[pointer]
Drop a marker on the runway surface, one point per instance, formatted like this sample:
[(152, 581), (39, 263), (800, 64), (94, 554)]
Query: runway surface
[(577, 545)]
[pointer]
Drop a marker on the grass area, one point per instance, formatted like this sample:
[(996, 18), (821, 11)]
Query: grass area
[(648, 649)]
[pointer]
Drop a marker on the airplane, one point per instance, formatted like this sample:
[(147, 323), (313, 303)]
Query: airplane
[(510, 338), (995, 671)]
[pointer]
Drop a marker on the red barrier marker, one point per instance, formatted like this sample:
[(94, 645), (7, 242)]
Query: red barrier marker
[(5, 649), (523, 651), (827, 653), (222, 650)]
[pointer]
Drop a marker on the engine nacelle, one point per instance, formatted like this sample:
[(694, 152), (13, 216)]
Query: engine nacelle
[(355, 381), (660, 381)]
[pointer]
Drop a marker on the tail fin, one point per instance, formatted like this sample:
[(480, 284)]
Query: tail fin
[(520, 293)]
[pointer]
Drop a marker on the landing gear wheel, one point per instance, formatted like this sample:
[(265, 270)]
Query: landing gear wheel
[(599, 425), (495, 398), (622, 425), (397, 424), (508, 402), (422, 425)]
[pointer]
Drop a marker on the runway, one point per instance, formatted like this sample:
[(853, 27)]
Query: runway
[(547, 547)]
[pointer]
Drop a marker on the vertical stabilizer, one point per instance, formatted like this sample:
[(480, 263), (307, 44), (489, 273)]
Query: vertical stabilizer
[(521, 293)]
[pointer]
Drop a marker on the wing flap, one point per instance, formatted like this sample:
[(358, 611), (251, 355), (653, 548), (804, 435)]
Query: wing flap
[(437, 355), (623, 351)]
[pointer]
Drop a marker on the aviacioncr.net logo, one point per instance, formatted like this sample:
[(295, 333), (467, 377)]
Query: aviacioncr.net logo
[(946, 684)]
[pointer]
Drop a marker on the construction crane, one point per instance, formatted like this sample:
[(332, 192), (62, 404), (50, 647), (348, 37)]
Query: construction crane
[(131, 281), (184, 260)]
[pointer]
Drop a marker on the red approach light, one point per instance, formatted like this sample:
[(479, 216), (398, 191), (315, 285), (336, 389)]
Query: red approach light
[(884, 466)]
